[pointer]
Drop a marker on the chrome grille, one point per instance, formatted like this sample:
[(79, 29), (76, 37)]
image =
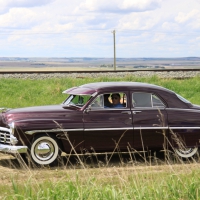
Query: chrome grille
[(4, 137)]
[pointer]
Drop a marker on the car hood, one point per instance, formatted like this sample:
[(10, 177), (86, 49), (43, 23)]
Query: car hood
[(36, 112)]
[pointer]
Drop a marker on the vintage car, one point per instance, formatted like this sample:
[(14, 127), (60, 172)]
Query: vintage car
[(147, 117)]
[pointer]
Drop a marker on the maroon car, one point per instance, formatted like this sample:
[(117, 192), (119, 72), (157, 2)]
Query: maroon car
[(103, 117)]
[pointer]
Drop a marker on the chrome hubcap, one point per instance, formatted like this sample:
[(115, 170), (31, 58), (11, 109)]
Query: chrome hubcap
[(44, 150)]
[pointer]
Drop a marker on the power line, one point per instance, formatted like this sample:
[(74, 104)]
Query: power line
[(92, 31)]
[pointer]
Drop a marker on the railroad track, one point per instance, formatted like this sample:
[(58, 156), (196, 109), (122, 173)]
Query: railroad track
[(94, 71)]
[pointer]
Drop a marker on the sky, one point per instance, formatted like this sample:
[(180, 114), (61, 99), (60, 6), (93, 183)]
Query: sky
[(84, 28)]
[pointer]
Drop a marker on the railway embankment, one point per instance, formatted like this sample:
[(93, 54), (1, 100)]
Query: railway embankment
[(46, 75)]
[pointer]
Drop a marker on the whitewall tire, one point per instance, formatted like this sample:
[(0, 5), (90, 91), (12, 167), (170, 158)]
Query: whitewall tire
[(44, 150), (187, 152)]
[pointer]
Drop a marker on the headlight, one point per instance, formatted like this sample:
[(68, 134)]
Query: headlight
[(12, 127), (13, 140)]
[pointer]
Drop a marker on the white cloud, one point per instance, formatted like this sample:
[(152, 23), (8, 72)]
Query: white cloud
[(139, 5), (6, 5), (15, 19), (27, 3), (169, 26), (185, 17), (117, 6), (159, 37), (144, 28), (136, 21)]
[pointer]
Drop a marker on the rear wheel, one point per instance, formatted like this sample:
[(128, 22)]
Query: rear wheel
[(186, 152), (45, 150)]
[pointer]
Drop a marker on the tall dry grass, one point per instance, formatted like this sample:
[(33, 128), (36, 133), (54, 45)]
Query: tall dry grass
[(136, 175)]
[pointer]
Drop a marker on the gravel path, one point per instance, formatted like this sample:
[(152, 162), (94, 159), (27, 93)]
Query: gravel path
[(170, 74)]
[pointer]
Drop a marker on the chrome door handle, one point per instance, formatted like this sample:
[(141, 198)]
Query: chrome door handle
[(136, 111), (126, 112)]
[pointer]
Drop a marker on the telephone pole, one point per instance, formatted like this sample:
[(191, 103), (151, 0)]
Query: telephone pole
[(114, 50)]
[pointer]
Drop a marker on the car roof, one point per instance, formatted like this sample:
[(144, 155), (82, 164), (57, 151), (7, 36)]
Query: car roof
[(101, 85), (91, 88)]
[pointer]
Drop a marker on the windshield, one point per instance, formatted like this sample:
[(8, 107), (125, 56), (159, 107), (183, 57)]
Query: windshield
[(182, 99), (77, 100)]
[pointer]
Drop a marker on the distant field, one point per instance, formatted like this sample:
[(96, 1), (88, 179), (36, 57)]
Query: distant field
[(103, 64), (21, 69)]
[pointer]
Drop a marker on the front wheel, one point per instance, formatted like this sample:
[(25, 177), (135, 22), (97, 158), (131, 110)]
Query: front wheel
[(186, 152), (45, 150)]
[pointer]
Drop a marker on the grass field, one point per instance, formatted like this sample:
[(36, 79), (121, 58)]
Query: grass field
[(111, 183), (21, 93), (158, 179)]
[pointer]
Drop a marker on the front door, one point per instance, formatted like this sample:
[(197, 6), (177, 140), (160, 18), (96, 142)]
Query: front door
[(108, 128)]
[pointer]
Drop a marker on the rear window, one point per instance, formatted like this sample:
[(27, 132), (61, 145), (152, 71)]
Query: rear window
[(143, 99)]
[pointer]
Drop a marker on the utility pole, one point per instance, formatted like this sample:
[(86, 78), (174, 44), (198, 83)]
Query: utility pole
[(114, 50)]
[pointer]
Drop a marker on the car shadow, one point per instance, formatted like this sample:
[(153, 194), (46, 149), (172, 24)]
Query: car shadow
[(94, 161), (115, 160)]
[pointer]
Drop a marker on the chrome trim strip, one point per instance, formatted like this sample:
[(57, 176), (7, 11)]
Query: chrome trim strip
[(125, 128), (13, 149), (181, 109), (184, 127), (51, 130), (141, 128), (160, 127), (108, 129), (146, 128)]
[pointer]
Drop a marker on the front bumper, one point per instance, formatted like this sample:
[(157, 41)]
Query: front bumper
[(13, 149), (8, 142)]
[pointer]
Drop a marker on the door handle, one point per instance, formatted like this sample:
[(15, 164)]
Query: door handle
[(126, 112), (136, 111)]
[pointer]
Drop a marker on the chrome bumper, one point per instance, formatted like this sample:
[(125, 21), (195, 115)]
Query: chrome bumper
[(13, 149), (8, 142)]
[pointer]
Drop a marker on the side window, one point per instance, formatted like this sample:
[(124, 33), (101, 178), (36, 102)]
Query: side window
[(80, 99), (118, 100), (98, 102), (157, 102), (110, 100), (143, 99)]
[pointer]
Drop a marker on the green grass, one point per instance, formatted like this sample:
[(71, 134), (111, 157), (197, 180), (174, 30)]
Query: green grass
[(21, 93), (113, 184)]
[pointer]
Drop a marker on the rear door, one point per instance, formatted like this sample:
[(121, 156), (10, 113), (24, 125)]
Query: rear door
[(184, 127), (149, 120)]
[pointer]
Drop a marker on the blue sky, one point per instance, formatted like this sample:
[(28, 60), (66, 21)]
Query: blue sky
[(83, 28)]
